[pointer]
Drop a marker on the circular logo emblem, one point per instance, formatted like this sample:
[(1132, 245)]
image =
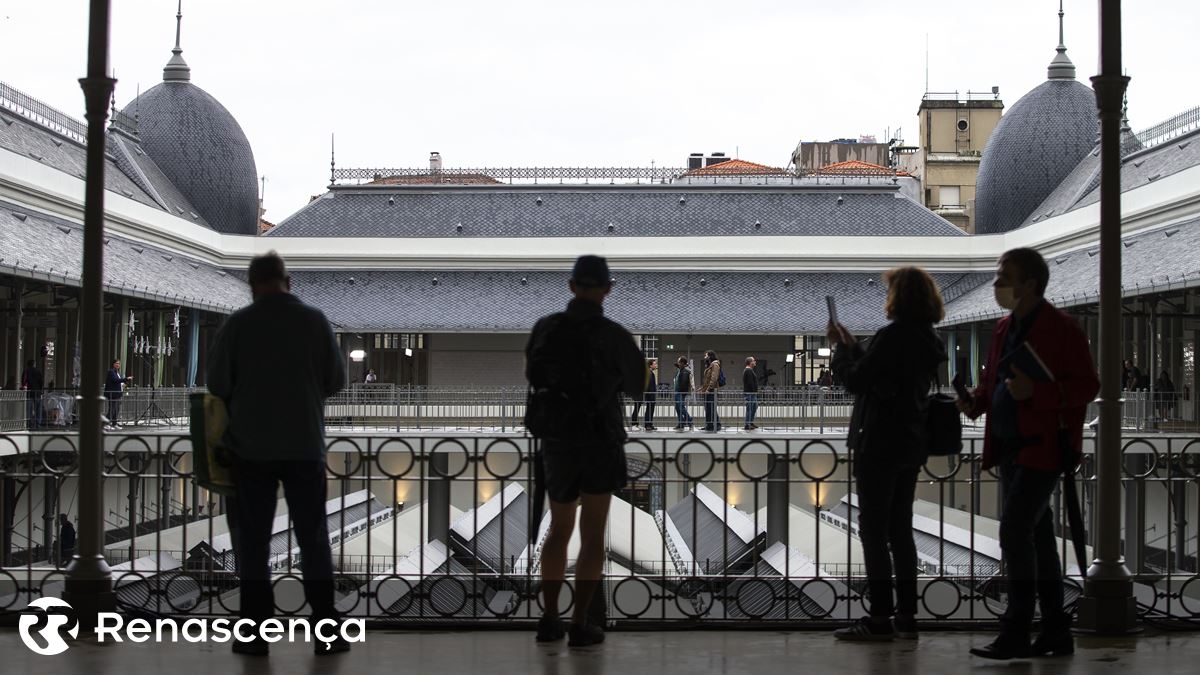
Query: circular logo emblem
[(43, 623)]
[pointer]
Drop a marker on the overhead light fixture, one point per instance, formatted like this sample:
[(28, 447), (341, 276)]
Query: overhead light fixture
[(824, 351), (408, 351), (357, 355), (790, 358)]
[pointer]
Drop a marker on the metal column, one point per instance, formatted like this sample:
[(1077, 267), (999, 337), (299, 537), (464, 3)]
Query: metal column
[(1107, 605), (778, 489), (89, 583)]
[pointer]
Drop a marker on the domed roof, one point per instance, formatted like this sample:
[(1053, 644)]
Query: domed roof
[(200, 147), (1036, 144)]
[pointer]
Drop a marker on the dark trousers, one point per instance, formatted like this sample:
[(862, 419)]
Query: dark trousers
[(712, 419), (114, 409), (751, 408), (683, 417), (33, 409), (885, 510), (1030, 551), (651, 400), (304, 489)]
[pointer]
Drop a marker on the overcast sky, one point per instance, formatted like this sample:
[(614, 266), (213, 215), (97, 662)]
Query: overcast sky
[(568, 83)]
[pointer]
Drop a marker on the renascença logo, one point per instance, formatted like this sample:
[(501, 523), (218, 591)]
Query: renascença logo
[(43, 623), (46, 619)]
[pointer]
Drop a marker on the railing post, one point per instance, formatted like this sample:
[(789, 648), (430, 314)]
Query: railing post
[(1107, 605), (778, 487), (89, 583)]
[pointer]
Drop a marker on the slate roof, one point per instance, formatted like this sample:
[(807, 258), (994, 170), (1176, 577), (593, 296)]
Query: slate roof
[(1162, 259), (203, 151), (45, 247), (1035, 146), (645, 211), (644, 302), (1082, 186)]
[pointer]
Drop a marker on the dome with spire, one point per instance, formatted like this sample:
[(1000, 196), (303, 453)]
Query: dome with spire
[(1036, 144), (199, 146)]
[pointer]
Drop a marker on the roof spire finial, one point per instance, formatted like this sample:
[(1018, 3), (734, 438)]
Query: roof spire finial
[(1061, 67), (177, 69), (331, 163)]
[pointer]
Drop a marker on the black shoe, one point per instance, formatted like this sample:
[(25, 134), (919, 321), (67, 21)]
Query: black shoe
[(905, 626), (1054, 643), (650, 427), (334, 646), (867, 629), (747, 428), (1003, 649), (753, 425), (584, 635), (678, 427), (550, 629), (255, 647)]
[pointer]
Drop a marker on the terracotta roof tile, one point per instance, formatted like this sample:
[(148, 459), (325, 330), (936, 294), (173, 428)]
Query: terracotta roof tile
[(856, 168), (736, 167)]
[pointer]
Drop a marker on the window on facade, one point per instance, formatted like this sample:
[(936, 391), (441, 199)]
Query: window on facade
[(649, 345), (950, 196)]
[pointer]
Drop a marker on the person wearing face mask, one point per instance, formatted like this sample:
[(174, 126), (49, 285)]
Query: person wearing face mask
[(1022, 438)]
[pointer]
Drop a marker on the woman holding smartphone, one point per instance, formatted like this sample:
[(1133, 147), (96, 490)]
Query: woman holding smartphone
[(890, 378)]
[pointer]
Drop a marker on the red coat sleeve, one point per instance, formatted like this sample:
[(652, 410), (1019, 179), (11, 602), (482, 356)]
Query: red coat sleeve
[(1075, 380)]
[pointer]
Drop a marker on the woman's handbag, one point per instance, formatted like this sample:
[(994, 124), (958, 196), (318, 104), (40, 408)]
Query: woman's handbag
[(943, 425)]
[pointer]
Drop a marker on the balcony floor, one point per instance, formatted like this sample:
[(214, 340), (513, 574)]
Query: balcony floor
[(662, 653)]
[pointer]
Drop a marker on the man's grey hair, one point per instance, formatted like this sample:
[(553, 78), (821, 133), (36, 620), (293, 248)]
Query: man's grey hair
[(749, 359)]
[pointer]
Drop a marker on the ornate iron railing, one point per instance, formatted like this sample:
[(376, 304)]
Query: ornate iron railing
[(520, 174), (436, 529), (1184, 122), (20, 103)]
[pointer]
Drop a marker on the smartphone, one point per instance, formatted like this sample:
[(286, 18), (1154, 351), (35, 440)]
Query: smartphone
[(960, 388), (831, 305)]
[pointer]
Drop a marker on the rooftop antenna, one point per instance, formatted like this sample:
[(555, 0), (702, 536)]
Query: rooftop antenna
[(177, 69), (927, 63), (1061, 67)]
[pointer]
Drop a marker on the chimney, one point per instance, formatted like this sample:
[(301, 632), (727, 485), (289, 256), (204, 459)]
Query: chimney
[(695, 160), (717, 158), (435, 163)]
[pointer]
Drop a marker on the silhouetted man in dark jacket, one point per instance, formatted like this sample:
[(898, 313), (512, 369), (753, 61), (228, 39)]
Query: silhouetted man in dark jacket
[(34, 384), (578, 364), (274, 364)]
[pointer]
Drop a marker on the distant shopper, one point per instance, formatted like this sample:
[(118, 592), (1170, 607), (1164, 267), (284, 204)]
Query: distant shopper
[(274, 363), (649, 397), (371, 377), (825, 379), (711, 383), (750, 391), (1131, 376), (683, 388), (1164, 395), (66, 540), (33, 382), (114, 389), (891, 380), (578, 364), (1033, 433)]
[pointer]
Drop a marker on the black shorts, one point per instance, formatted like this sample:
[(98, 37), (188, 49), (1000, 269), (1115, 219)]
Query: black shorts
[(571, 469)]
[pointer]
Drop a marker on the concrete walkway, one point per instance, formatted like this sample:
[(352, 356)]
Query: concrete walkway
[(626, 653)]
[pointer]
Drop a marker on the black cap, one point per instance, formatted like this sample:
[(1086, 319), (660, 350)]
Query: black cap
[(591, 271)]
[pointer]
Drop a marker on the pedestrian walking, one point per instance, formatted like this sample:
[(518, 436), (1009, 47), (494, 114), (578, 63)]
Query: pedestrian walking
[(890, 379), (683, 386), (750, 392), (114, 389), (578, 364), (711, 383), (649, 397), (33, 382), (1033, 433), (274, 363)]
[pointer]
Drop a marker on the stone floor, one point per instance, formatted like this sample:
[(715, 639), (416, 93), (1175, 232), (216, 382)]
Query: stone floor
[(625, 653)]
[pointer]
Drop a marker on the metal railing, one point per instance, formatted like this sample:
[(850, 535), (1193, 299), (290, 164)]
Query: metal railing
[(1185, 122), (520, 174), (20, 103), (692, 537)]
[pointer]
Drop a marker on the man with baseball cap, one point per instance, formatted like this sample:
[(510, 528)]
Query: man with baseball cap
[(578, 364)]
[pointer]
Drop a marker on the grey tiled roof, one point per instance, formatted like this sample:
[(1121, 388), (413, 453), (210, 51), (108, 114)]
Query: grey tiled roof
[(1161, 259), (1143, 167), (646, 211), (646, 302), (1037, 143), (202, 150), (46, 247), (136, 164)]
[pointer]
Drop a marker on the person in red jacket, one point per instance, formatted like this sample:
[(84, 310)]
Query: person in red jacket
[(1025, 412)]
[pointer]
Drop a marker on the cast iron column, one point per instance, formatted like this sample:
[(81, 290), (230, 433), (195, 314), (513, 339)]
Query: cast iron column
[(778, 496), (1107, 606), (89, 584)]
